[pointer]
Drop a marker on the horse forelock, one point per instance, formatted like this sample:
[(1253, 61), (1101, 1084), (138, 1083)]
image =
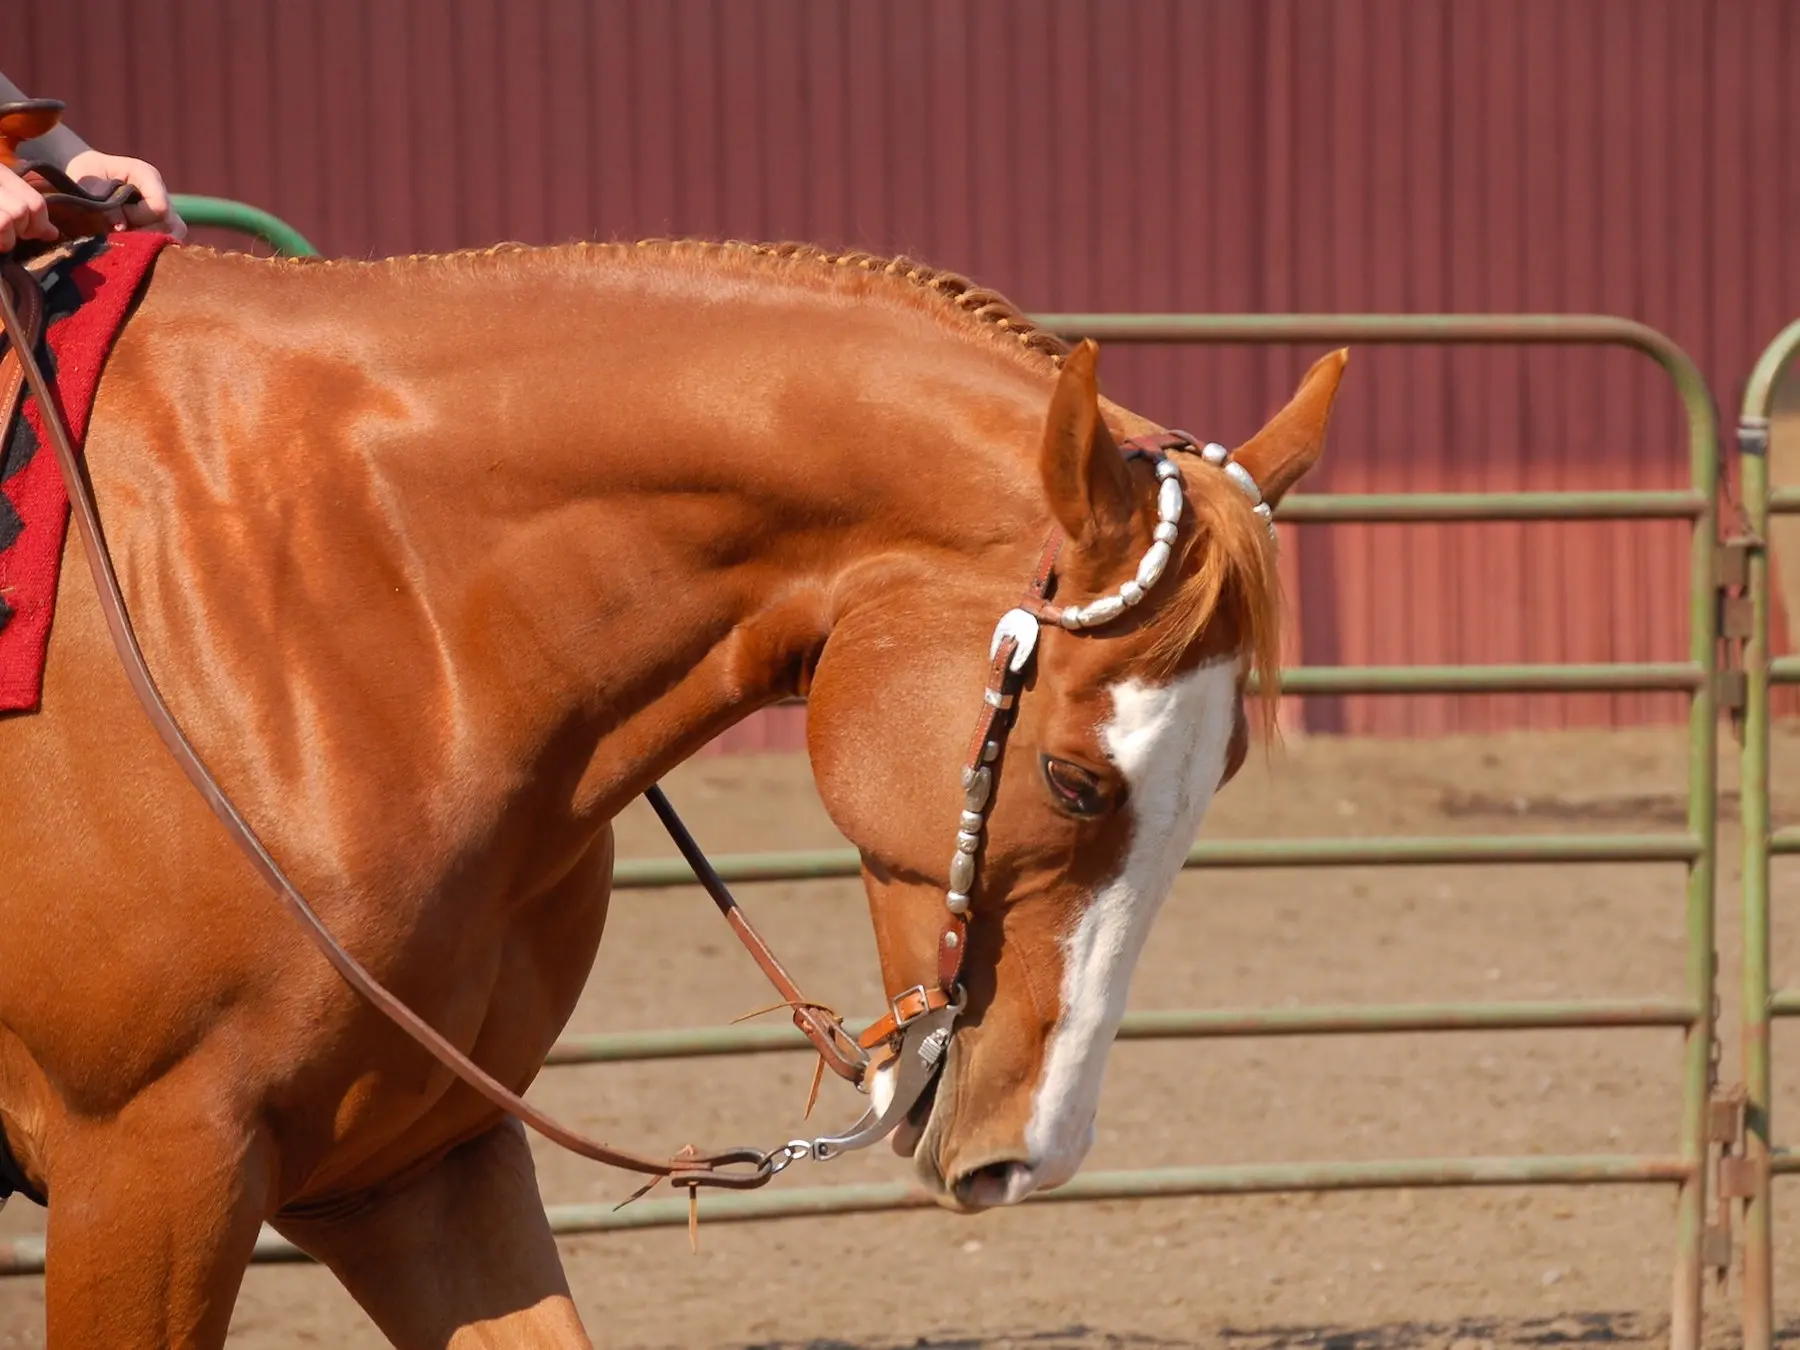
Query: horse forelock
[(1234, 587)]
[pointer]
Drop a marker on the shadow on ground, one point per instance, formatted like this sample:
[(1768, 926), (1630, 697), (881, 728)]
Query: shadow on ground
[(1615, 1329)]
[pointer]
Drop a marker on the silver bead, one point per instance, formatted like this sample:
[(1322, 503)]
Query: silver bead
[(1151, 568), (1131, 592), (990, 752), (1168, 500), (1071, 617), (1166, 532), (1167, 468), (977, 784), (1214, 453), (957, 903), (950, 939), (967, 843), (1238, 474), (1264, 510), (1104, 610), (972, 822), (962, 873)]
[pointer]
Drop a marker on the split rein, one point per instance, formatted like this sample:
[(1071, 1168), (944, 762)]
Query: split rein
[(910, 1039)]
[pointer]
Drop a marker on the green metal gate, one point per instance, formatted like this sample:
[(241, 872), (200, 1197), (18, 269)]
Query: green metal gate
[(1751, 1177), (1688, 1165)]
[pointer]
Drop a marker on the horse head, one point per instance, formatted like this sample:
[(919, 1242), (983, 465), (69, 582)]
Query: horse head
[(1126, 719)]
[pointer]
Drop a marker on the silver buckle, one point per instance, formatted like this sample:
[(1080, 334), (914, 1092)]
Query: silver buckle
[(901, 1023), (1022, 627)]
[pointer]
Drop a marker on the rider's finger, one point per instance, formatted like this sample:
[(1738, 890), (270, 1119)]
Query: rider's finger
[(23, 212), (140, 215), (150, 187)]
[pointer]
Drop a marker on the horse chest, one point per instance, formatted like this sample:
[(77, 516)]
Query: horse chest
[(505, 1000)]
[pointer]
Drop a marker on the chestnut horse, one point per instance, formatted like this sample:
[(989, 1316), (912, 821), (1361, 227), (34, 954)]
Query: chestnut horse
[(440, 562)]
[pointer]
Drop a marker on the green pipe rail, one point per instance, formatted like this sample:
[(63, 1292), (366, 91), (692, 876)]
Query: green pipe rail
[(1694, 847), (1382, 851), (25, 1256), (1761, 1160), (223, 213), (1180, 1024)]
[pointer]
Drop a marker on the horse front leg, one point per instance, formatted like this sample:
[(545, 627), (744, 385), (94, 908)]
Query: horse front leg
[(459, 1258), (153, 1219)]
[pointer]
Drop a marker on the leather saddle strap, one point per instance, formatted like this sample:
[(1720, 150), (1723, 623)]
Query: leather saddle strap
[(12, 370), (692, 1168)]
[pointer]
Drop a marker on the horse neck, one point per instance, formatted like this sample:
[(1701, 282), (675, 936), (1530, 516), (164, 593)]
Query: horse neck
[(670, 510)]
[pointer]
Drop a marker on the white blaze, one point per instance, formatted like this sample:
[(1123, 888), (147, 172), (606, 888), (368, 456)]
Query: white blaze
[(1169, 742)]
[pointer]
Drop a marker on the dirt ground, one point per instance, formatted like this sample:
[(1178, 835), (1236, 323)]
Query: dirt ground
[(1395, 1270)]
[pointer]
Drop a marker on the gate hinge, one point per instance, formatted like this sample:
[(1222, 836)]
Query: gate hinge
[(1731, 564), (1739, 1178), (1732, 690), (1735, 1176), (1715, 1247), (1736, 618), (1725, 1116), (1725, 1136), (1733, 623)]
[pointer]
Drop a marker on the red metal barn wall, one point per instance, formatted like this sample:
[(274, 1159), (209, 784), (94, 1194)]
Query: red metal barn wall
[(1629, 156)]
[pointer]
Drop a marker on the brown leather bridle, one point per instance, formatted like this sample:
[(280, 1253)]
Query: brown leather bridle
[(910, 1038)]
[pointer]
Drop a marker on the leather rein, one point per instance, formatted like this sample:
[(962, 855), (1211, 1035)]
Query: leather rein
[(910, 1038)]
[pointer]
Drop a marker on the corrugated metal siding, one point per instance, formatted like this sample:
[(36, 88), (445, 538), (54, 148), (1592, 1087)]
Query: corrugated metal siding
[(1396, 155)]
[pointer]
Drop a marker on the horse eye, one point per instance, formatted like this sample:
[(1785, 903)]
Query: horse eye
[(1076, 790)]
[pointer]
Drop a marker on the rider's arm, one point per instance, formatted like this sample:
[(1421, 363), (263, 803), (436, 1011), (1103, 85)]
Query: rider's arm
[(22, 209)]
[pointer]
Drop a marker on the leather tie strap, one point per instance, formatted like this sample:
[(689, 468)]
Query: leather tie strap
[(843, 1053)]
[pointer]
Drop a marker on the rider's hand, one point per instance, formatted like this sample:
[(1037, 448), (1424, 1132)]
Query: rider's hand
[(93, 169), (22, 212)]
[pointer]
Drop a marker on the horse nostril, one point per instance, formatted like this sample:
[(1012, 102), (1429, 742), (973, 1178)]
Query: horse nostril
[(1000, 1183)]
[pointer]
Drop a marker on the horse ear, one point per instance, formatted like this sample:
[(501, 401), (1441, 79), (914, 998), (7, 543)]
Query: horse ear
[(1281, 453), (1084, 474)]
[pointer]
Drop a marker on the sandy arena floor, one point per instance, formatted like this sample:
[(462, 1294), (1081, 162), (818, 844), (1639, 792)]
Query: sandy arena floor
[(1467, 1269)]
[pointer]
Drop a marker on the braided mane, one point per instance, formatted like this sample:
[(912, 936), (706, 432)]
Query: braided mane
[(979, 303), (987, 308)]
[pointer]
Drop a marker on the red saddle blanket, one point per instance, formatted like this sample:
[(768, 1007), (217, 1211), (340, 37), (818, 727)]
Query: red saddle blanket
[(84, 309)]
